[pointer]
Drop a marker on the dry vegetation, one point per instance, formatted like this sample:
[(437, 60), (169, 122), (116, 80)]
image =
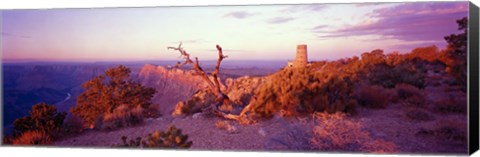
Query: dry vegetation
[(172, 138)]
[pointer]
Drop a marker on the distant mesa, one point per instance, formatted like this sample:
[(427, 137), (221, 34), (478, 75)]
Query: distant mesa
[(301, 60)]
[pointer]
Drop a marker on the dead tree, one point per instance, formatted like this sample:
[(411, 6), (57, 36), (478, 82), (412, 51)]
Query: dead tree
[(213, 85)]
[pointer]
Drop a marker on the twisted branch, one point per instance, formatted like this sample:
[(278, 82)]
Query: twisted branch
[(214, 86)]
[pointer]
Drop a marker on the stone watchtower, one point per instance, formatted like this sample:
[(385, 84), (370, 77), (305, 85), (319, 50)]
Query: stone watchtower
[(301, 59)]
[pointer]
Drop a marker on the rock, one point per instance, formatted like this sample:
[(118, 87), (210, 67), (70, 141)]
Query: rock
[(197, 115), (262, 132), (232, 129)]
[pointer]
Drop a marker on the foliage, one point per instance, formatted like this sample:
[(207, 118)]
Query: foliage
[(418, 114), (173, 138), (130, 144), (304, 90), (200, 100), (335, 133), (451, 105), (33, 137), (122, 116), (373, 96), (456, 53), (407, 72), (409, 95), (43, 117), (72, 125), (106, 92), (446, 130), (294, 136)]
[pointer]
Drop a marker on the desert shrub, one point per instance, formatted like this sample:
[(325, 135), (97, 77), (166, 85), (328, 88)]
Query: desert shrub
[(33, 137), (106, 92), (304, 90), (408, 72), (409, 95), (417, 114), (451, 105), (129, 144), (122, 116), (72, 125), (173, 138), (451, 130), (292, 137), (200, 100), (7, 140), (372, 96), (447, 131), (336, 133), (43, 117)]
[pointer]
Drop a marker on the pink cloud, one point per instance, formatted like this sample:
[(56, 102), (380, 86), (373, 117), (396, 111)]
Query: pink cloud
[(429, 21)]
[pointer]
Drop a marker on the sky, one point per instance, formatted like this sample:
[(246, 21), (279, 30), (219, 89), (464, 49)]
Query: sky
[(264, 32)]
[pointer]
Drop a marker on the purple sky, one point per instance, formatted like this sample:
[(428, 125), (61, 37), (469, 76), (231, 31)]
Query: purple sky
[(331, 31)]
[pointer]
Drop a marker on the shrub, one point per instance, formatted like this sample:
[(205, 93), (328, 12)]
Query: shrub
[(33, 138), (7, 140), (409, 95), (373, 96), (410, 72), (43, 117), (336, 133), (72, 125), (451, 105), (200, 100), (122, 116), (449, 130), (106, 92), (130, 144), (173, 138), (418, 114), (303, 91), (292, 137)]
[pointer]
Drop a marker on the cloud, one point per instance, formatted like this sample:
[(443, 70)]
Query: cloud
[(408, 22), (15, 35), (369, 4), (239, 14), (320, 27), (309, 7), (410, 46), (279, 20)]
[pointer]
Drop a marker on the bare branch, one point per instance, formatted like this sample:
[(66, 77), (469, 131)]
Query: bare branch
[(214, 86)]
